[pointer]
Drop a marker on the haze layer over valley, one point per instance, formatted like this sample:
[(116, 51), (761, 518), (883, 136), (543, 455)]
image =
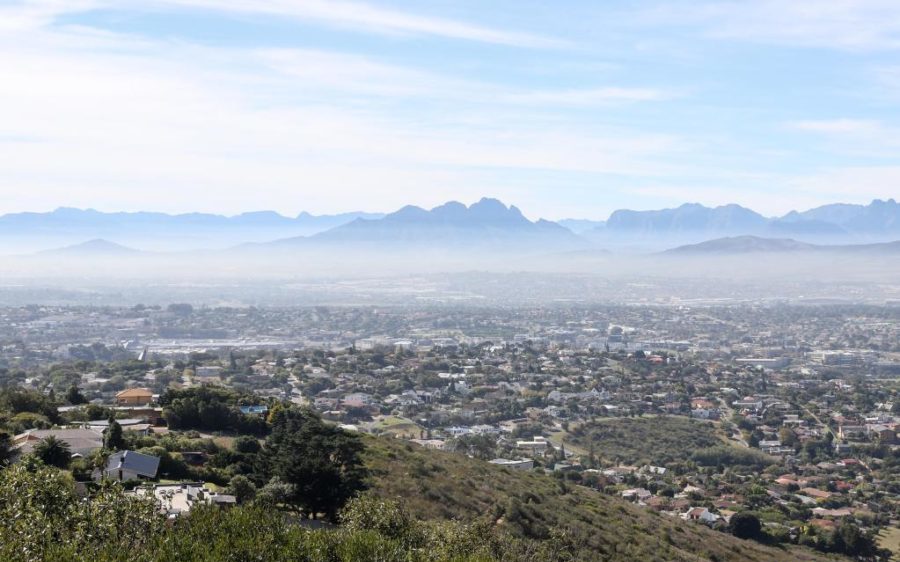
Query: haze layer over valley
[(690, 252)]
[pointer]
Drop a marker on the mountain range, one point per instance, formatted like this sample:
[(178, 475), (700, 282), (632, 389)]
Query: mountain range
[(488, 224), (837, 223), (159, 231)]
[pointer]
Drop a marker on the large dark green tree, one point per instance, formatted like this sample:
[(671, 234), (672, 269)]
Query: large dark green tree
[(74, 396), (113, 439), (209, 408), (745, 525), (320, 461)]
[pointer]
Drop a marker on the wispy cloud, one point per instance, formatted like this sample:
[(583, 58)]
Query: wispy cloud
[(863, 137), (357, 16), (840, 126), (357, 75), (590, 96), (291, 129), (370, 18), (861, 184), (858, 25)]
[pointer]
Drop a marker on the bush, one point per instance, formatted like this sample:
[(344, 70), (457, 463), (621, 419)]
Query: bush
[(745, 525), (42, 519)]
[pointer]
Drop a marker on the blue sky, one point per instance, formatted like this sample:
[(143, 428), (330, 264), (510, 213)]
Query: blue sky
[(567, 109)]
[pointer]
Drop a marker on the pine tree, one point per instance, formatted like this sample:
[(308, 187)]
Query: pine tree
[(113, 440)]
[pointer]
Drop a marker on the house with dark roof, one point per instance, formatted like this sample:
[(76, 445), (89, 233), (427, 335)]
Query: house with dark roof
[(81, 442), (130, 465)]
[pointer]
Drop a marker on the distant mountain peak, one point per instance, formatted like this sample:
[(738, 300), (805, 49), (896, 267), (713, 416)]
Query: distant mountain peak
[(95, 247), (743, 244), (689, 217)]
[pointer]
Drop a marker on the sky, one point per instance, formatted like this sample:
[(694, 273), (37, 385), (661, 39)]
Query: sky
[(568, 109)]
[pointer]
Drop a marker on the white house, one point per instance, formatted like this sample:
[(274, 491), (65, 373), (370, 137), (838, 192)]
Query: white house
[(700, 514)]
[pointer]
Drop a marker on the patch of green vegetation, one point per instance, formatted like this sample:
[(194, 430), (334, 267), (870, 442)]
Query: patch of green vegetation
[(637, 441), (729, 455), (398, 426)]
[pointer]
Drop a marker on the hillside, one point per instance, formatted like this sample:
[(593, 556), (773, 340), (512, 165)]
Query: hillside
[(97, 247), (743, 244), (443, 486), (756, 244)]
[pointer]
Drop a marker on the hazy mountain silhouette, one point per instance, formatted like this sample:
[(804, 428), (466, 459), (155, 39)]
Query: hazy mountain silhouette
[(487, 223), (93, 248), (692, 223), (878, 217), (756, 244), (743, 244), (690, 217), (159, 231)]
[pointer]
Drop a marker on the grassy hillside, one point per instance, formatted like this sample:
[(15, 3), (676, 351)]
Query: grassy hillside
[(889, 538), (437, 485)]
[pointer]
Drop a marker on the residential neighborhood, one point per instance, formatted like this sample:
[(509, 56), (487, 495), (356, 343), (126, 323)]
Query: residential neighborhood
[(695, 413)]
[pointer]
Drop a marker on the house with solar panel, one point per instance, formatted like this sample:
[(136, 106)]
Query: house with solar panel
[(130, 465)]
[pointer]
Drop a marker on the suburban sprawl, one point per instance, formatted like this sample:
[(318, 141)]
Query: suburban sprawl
[(777, 424)]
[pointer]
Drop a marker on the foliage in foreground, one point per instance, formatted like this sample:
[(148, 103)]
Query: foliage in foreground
[(41, 519)]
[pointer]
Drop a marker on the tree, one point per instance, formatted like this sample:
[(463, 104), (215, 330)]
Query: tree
[(478, 446), (19, 400), (246, 444), (848, 539), (321, 462), (755, 438), (787, 437), (6, 449), (53, 452), (74, 396), (242, 488), (113, 440), (371, 513), (41, 518), (745, 525), (180, 309), (274, 493)]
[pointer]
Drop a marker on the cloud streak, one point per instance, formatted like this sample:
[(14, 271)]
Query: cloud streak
[(852, 25), (144, 124), (356, 16)]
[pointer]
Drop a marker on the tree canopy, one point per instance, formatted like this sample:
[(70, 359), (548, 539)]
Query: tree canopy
[(321, 462)]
